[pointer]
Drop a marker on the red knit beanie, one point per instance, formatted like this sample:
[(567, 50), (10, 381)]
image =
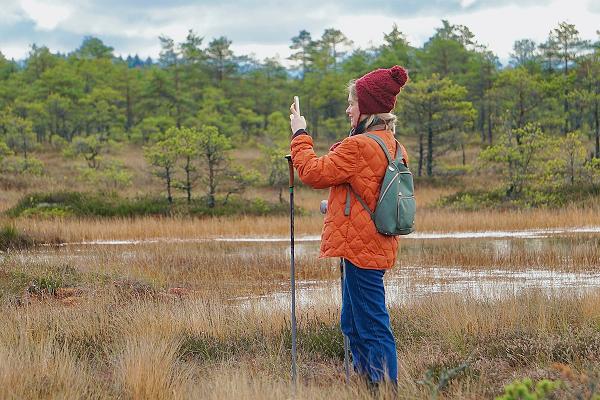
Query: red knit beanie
[(377, 90)]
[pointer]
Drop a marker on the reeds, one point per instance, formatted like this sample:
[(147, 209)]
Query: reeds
[(112, 346), (39, 367), (88, 229), (578, 252)]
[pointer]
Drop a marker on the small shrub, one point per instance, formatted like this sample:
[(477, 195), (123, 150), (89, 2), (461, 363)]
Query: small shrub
[(47, 284), (455, 170), (438, 381), (472, 200), (20, 165), (46, 281), (238, 206), (53, 278), (525, 390)]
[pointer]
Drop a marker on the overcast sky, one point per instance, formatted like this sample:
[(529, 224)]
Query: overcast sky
[(264, 28)]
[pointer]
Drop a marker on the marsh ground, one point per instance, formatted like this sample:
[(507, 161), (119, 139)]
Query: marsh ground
[(209, 318)]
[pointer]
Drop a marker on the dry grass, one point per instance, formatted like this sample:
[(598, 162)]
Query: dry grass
[(70, 230), (88, 229), (148, 368), (441, 220), (188, 264), (126, 334), (222, 270), (110, 345), (40, 368), (565, 253)]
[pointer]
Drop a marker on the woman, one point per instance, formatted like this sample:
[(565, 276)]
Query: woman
[(348, 231)]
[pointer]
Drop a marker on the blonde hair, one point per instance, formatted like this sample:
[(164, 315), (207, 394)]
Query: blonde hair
[(389, 119)]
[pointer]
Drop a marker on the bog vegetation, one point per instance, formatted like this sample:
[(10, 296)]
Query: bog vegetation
[(170, 321)]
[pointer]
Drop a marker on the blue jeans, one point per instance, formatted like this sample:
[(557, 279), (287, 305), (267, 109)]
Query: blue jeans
[(366, 323)]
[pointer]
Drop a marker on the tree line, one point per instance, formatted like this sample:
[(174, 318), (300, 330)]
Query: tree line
[(198, 95)]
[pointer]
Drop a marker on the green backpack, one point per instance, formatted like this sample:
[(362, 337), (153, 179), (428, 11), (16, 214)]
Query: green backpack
[(395, 210)]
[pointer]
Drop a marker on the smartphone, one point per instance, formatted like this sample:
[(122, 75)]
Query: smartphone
[(297, 104)]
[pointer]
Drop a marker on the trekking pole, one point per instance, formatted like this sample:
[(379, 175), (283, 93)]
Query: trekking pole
[(292, 271), (346, 342)]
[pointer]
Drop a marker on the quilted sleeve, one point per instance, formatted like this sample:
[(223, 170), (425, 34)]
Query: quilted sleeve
[(334, 168)]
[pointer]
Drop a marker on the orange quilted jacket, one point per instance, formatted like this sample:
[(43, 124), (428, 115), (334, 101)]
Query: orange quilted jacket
[(359, 161)]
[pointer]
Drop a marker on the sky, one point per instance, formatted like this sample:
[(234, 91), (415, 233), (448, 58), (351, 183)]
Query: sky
[(265, 28)]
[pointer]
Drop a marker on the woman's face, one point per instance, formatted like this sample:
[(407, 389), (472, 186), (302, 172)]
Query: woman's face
[(353, 111)]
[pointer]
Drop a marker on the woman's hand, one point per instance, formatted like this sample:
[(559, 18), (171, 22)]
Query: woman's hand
[(296, 120)]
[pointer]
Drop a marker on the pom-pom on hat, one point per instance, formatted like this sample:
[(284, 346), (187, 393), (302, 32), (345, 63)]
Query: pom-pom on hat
[(377, 90)]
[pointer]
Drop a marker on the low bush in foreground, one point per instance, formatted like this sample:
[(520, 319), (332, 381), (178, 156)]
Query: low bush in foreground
[(526, 390)]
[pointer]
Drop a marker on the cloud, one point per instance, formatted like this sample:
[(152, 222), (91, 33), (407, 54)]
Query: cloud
[(46, 16), (251, 22), (11, 12), (594, 6), (24, 33), (264, 27), (16, 40), (299, 9), (248, 21)]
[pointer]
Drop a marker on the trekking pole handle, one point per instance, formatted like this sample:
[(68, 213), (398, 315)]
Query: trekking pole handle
[(291, 166)]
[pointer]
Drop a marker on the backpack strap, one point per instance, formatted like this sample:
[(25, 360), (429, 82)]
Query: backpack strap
[(361, 201), (382, 145), (399, 153), (400, 150)]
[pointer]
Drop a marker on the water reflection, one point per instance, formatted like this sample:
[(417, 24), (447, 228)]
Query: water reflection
[(531, 234), (408, 284)]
